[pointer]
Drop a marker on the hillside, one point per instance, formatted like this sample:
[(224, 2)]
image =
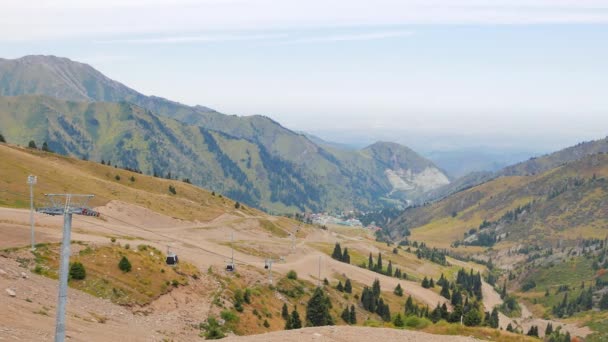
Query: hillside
[(255, 159), (141, 217), (545, 235), (532, 166)]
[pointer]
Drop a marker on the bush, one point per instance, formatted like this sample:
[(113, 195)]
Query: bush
[(416, 322), (292, 275), (132, 178), (229, 316), (266, 324), (32, 144), (212, 329), (117, 177), (2, 140), (237, 205), (172, 189), (528, 285), (77, 271), (113, 239), (124, 264)]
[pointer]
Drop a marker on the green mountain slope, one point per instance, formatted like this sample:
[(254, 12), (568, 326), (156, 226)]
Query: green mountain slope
[(568, 202), (288, 163)]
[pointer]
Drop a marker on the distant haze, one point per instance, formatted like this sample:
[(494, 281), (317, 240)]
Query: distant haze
[(521, 77)]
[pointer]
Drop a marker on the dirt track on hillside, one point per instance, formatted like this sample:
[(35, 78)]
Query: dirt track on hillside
[(347, 334)]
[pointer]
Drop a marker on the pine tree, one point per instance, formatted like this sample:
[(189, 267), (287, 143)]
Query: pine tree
[(317, 310), (445, 290), (379, 264), (348, 287), (509, 328), (285, 312), (549, 329), (45, 147), (398, 290), (425, 283), (431, 283), (503, 293), (409, 306), (340, 287), (604, 302), (2, 140), (345, 315), (398, 322), (337, 254), (296, 322), (124, 264), (345, 256), (32, 144), (370, 262), (77, 271), (353, 315), (376, 288), (494, 320), (389, 269)]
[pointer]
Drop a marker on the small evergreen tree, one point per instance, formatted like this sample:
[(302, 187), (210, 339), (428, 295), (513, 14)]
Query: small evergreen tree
[(389, 269), (124, 264), (2, 140), (317, 310), (549, 329), (237, 205), (345, 256), (77, 271), (296, 322), (425, 283), (32, 144), (370, 262), (285, 312), (509, 328), (398, 322), (398, 290), (345, 315), (353, 315), (337, 254), (348, 287), (445, 290), (604, 302), (45, 147), (340, 287)]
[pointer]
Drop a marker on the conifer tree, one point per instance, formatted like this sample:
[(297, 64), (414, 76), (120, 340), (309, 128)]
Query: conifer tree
[(445, 290), (340, 287), (345, 256), (296, 322), (317, 310), (370, 262), (348, 287), (337, 254), (398, 290), (345, 315), (285, 312), (353, 315), (379, 264), (389, 269)]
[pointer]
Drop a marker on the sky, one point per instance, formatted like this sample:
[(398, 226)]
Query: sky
[(437, 75)]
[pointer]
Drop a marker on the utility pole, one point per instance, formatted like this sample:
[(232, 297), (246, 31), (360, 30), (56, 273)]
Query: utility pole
[(319, 280), (32, 180), (73, 204), (268, 265)]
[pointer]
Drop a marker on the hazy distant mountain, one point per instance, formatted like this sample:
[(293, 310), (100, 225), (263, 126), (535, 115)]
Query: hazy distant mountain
[(254, 159), (459, 163)]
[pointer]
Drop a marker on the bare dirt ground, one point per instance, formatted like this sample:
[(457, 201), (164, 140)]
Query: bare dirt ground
[(204, 244), (346, 334)]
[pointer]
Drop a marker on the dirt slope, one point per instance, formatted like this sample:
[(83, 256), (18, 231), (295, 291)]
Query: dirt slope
[(347, 334)]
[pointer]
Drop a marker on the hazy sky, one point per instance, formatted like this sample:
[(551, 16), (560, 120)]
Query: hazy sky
[(433, 74)]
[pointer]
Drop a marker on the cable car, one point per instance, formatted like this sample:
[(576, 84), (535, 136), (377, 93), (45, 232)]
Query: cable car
[(172, 259), (230, 267)]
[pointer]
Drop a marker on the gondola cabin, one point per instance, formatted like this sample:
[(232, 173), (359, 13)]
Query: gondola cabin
[(230, 267), (172, 259)]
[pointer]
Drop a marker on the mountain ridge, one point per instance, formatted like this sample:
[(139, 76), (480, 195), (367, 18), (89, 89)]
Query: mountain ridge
[(334, 178)]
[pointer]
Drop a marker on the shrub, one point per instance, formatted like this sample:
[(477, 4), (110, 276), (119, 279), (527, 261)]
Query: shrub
[(2, 138), (229, 316), (528, 285), (113, 239), (77, 271), (212, 329), (292, 275), (127, 246), (416, 322), (132, 178), (237, 205), (124, 264), (117, 177), (172, 189), (175, 283), (32, 144), (266, 324)]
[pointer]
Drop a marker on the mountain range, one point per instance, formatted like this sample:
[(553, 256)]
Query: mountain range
[(78, 111)]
